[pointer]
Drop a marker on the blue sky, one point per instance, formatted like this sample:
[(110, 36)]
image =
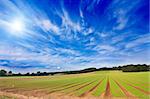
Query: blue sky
[(58, 35)]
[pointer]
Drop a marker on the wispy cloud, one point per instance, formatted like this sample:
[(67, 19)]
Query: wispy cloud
[(105, 48), (139, 41), (48, 26)]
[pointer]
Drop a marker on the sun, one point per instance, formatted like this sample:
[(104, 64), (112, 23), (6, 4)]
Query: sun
[(17, 26)]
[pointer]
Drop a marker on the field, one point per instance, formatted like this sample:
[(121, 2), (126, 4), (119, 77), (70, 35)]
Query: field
[(95, 85)]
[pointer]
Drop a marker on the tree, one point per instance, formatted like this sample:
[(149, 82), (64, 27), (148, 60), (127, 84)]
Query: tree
[(27, 74), (135, 68), (3, 72), (10, 72), (38, 73)]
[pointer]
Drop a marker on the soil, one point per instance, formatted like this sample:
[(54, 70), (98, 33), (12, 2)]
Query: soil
[(88, 93), (127, 93)]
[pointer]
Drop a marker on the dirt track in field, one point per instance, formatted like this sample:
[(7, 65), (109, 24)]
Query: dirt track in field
[(70, 93), (107, 91), (81, 87), (50, 96), (146, 92), (128, 94), (18, 96), (88, 93), (54, 89), (39, 90), (24, 94), (64, 88)]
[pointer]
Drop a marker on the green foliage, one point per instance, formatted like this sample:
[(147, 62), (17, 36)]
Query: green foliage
[(135, 68), (3, 72)]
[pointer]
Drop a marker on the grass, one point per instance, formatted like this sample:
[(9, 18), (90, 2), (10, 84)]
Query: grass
[(135, 79), (69, 83), (86, 88), (115, 89), (100, 89), (6, 97)]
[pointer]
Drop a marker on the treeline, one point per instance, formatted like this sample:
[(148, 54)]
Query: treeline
[(125, 68), (5, 73), (136, 68)]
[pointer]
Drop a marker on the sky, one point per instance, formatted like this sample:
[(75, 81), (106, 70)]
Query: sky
[(60, 35)]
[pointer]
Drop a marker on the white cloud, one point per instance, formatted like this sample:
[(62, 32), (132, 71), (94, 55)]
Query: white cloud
[(87, 31), (122, 37), (105, 47), (81, 13), (141, 40), (49, 26), (122, 19), (67, 51), (92, 5), (19, 54), (68, 23), (102, 34), (122, 23), (121, 11)]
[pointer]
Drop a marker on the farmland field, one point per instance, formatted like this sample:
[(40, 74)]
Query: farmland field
[(101, 84)]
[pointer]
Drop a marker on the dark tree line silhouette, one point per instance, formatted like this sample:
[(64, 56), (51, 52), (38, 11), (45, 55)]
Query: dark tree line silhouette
[(125, 68), (136, 68)]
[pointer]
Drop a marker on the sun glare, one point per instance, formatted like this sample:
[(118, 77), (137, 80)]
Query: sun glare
[(17, 26)]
